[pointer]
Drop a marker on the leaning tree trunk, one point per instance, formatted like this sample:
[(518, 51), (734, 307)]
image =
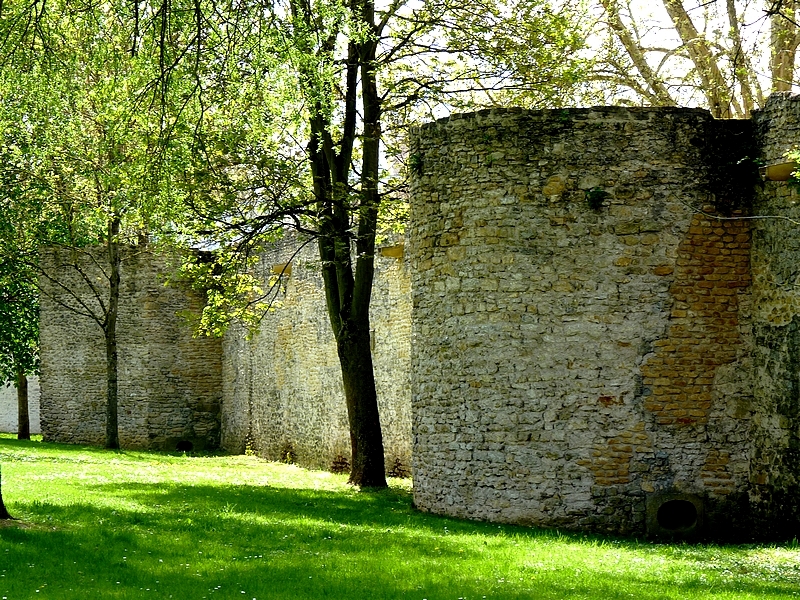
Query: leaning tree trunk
[(347, 293), (3, 512), (366, 440), (23, 416), (110, 333)]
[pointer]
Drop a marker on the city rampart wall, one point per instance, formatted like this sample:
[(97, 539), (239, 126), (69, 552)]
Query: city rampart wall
[(283, 388), (170, 383), (9, 409)]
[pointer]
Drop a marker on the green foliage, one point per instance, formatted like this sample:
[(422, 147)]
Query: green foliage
[(256, 118), (595, 198), (102, 140), (137, 524), (525, 53), (232, 293), (19, 322), (19, 299), (793, 155), (191, 122), (286, 84)]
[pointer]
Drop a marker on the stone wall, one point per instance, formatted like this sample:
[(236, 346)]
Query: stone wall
[(8, 406), (582, 320), (283, 390), (170, 383), (597, 327), (775, 259), (279, 393)]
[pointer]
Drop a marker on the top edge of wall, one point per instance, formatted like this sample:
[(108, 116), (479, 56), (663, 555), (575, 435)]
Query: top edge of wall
[(779, 98), (595, 112)]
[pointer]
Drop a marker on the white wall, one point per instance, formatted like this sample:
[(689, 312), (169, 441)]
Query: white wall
[(8, 406)]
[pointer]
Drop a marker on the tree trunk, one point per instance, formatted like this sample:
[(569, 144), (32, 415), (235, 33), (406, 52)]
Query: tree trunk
[(353, 342), (658, 93), (783, 45), (110, 332), (742, 69), (347, 293), (3, 512), (366, 439), (23, 416), (712, 82)]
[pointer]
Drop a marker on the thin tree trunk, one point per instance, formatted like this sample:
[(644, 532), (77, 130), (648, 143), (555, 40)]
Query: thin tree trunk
[(741, 65), (110, 331), (347, 293), (783, 45), (23, 416), (712, 82), (355, 352), (657, 91), (3, 512)]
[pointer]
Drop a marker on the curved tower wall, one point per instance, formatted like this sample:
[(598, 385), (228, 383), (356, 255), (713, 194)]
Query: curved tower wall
[(582, 342), (775, 260)]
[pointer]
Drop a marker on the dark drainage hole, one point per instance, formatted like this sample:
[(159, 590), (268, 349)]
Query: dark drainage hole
[(184, 446), (677, 514)]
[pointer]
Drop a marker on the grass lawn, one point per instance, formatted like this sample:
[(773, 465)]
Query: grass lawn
[(102, 524)]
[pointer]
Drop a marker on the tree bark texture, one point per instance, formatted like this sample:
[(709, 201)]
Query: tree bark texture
[(657, 92), (348, 287), (366, 440), (3, 512), (23, 415), (110, 333), (712, 83), (784, 39)]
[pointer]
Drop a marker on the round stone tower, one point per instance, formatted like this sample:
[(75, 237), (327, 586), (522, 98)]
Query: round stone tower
[(583, 353)]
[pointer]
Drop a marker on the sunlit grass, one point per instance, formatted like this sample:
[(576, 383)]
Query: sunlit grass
[(101, 524)]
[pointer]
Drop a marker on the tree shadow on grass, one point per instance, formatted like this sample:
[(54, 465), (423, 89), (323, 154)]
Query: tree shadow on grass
[(7, 441), (11, 444), (267, 542)]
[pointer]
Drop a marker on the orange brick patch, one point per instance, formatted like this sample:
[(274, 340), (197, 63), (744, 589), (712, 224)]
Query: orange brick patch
[(715, 474), (611, 462), (713, 265)]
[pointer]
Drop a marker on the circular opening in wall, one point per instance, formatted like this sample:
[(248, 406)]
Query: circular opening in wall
[(677, 514), (184, 446)]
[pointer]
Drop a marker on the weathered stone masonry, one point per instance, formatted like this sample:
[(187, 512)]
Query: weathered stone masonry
[(8, 406), (276, 394), (604, 368), (169, 381), (282, 389)]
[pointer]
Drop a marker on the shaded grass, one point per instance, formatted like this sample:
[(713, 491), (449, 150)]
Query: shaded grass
[(107, 524)]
